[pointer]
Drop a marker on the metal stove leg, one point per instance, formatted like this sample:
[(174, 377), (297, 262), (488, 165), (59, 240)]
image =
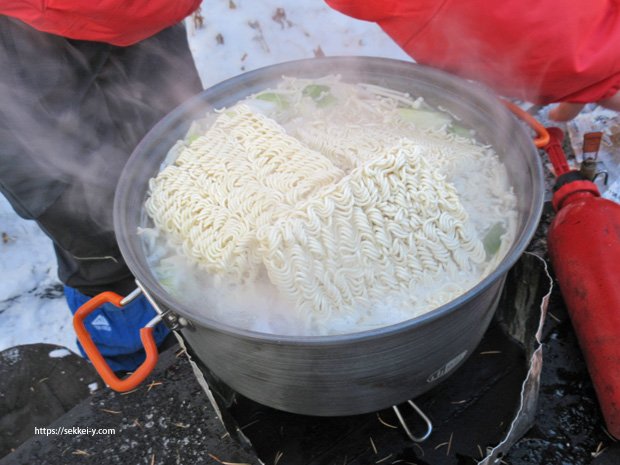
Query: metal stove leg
[(429, 425)]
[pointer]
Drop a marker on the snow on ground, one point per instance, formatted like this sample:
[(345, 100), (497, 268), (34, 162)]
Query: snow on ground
[(32, 305), (242, 35), (235, 36)]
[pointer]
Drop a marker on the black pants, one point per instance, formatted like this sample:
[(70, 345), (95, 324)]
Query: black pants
[(71, 113)]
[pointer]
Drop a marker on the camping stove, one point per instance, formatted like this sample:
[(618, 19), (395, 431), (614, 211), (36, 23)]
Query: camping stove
[(478, 412)]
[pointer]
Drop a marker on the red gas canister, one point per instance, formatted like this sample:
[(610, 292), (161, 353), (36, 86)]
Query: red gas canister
[(584, 247)]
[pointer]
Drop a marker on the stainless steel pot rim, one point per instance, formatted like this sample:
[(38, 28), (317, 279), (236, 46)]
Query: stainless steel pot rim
[(142, 273)]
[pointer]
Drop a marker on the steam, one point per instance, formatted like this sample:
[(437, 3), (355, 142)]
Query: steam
[(258, 305), (72, 113)]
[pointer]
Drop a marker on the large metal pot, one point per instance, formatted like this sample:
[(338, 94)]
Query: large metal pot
[(352, 373)]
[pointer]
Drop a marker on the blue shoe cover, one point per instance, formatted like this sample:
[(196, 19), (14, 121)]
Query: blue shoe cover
[(116, 331)]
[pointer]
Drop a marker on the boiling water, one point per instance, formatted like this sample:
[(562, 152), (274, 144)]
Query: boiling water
[(350, 125)]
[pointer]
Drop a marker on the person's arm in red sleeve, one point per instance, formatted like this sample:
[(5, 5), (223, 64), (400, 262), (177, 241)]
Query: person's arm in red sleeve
[(543, 51), (566, 111), (117, 22)]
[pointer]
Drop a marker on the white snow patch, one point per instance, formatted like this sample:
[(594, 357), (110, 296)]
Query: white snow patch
[(93, 387), (59, 353), (256, 34), (27, 270), (11, 355)]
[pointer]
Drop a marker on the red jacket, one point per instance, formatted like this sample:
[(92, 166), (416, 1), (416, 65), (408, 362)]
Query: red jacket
[(538, 50), (117, 22)]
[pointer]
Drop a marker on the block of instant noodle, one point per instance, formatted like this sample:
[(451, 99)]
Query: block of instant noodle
[(247, 197)]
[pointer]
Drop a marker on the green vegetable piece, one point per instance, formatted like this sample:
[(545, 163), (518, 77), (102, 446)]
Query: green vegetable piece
[(493, 239), (314, 91), (191, 139), (425, 119), (320, 94), (326, 100), (460, 131), (278, 99)]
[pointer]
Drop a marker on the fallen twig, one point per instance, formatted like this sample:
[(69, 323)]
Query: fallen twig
[(113, 412)]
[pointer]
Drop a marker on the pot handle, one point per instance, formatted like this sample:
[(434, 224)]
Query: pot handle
[(104, 370), (542, 136)]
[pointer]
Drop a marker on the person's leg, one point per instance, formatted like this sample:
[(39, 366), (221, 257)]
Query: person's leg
[(72, 113), (129, 93)]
